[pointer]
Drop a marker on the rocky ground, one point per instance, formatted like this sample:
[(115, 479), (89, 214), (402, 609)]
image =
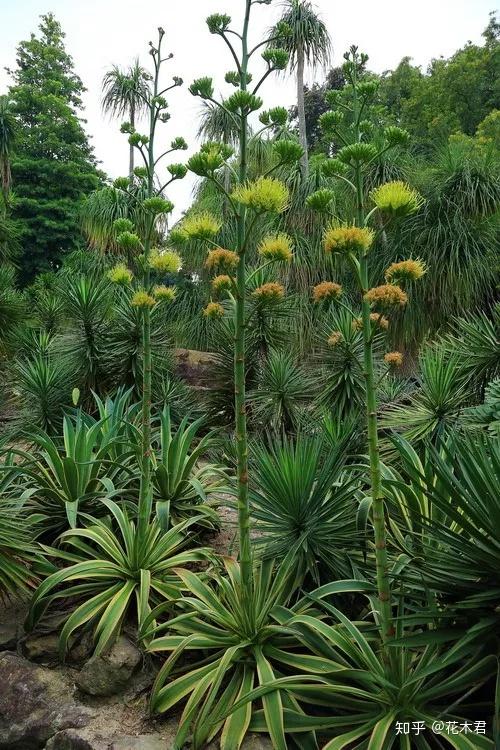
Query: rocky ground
[(87, 704)]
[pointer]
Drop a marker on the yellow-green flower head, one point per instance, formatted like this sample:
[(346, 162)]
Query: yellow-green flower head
[(221, 283), (128, 241), (379, 320), (213, 310), (164, 293), (405, 270), (121, 275), (347, 239), (157, 205), (326, 291), (393, 359), (200, 226), (387, 295), (165, 262), (265, 194), (226, 260), (270, 293), (335, 338), (396, 198), (142, 299), (277, 247)]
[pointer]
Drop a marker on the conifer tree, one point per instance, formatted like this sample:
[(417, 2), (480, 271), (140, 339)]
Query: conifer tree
[(54, 166)]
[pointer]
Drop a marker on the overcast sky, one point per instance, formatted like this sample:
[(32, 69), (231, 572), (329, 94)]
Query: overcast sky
[(102, 32)]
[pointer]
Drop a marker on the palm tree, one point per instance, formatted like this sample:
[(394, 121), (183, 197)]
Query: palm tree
[(125, 94), (307, 41), (7, 137)]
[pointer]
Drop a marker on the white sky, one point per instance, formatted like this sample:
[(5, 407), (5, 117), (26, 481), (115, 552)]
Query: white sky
[(102, 32)]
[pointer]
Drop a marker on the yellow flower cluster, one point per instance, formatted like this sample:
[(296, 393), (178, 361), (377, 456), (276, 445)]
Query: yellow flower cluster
[(265, 194), (397, 198), (221, 258), (387, 295), (165, 262), (376, 318), (347, 239), (405, 270), (335, 338), (270, 292), (326, 290), (200, 226), (393, 359), (221, 283), (164, 293), (213, 310), (120, 274), (277, 247), (142, 299)]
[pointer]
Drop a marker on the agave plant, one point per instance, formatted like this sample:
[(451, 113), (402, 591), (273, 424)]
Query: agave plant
[(240, 644), (361, 697), (182, 484), (62, 479), (16, 551), (111, 568), (304, 500)]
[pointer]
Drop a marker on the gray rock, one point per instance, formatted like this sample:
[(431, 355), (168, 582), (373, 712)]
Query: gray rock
[(35, 703), (43, 649), (109, 673), (75, 739), (8, 636), (140, 742)]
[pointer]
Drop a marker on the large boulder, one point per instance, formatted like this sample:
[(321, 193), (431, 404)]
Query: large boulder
[(141, 742), (76, 739), (110, 672), (35, 703)]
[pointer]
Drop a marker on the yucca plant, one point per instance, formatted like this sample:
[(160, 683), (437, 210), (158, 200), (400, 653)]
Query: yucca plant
[(304, 499), (182, 483), (113, 570), (64, 478), (486, 415), (461, 545), (284, 391), (434, 408), (41, 391)]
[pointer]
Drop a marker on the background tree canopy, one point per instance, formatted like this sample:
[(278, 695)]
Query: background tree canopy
[(53, 166)]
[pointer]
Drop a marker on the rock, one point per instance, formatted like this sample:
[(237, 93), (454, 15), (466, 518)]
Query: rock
[(109, 673), (141, 742), (43, 649), (35, 703), (8, 636), (75, 739)]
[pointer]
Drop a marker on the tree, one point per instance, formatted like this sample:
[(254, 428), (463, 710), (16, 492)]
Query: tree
[(125, 94), (54, 166), (315, 105), (7, 137), (306, 39)]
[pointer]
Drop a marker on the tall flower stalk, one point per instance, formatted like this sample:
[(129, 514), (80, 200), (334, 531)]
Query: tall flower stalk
[(159, 261), (350, 109), (245, 209)]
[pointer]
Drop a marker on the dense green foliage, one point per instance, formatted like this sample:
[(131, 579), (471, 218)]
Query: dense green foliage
[(339, 421), (53, 165)]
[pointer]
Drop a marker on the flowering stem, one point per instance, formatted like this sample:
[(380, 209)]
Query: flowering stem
[(378, 505), (239, 354), (145, 489)]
